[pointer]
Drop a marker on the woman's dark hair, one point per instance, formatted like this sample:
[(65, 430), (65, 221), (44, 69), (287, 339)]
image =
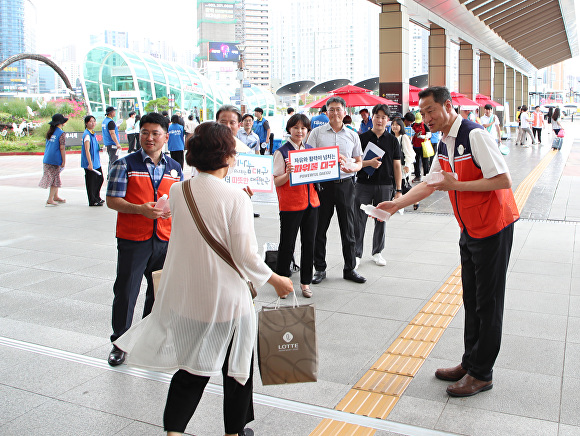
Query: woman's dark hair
[(298, 118), (209, 146), (87, 119), (524, 108), (401, 124), (50, 132), (137, 117), (347, 119), (556, 114), (174, 119), (190, 118), (550, 113)]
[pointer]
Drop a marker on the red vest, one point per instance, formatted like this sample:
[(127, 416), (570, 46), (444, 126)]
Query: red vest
[(480, 214), (140, 190), (298, 197)]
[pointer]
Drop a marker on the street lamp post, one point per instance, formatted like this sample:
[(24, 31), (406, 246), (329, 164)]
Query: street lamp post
[(240, 76)]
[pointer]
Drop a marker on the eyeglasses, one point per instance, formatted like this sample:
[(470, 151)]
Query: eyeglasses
[(335, 109), (155, 133)]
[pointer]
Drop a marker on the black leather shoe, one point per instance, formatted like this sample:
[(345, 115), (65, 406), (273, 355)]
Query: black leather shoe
[(352, 275), (318, 277), (256, 215), (246, 432), (101, 201), (116, 356)]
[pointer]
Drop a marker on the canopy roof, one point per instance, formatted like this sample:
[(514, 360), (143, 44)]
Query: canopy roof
[(294, 88)]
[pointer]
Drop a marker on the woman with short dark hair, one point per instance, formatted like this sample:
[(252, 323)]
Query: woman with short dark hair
[(203, 311), (91, 162)]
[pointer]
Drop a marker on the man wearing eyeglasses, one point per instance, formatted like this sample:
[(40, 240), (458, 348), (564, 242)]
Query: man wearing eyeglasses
[(136, 182), (339, 193)]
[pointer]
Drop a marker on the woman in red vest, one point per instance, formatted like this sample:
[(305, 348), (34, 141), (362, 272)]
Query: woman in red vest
[(422, 132), (298, 206)]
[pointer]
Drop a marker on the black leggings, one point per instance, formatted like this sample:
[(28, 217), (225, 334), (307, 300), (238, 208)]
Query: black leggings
[(186, 390)]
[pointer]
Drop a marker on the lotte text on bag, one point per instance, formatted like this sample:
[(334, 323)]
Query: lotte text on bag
[(287, 347)]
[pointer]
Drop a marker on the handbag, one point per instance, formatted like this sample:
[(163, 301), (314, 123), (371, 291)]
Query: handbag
[(561, 133), (427, 148), (287, 345), (220, 250)]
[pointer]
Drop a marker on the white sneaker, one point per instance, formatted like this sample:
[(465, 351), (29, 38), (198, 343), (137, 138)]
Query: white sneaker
[(357, 263), (379, 260)]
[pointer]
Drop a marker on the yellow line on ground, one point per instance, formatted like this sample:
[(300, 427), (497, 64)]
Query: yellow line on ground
[(380, 388)]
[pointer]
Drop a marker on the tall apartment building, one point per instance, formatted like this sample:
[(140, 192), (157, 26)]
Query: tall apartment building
[(252, 31), (18, 35), (419, 50), (324, 40)]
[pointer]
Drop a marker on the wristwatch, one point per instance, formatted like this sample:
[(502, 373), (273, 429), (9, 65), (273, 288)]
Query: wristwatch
[(398, 190)]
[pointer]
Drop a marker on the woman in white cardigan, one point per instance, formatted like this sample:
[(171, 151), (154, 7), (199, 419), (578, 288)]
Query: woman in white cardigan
[(203, 321)]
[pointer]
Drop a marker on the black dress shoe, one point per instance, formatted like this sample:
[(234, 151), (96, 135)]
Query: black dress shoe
[(256, 215), (96, 204), (353, 276), (318, 277), (246, 432), (101, 201), (116, 356)]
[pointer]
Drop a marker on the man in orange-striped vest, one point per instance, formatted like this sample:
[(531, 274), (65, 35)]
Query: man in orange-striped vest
[(537, 124), (485, 209), (135, 184)]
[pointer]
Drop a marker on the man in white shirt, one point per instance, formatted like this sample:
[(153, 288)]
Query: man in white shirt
[(525, 128), (485, 209), (130, 131), (247, 135), (491, 123)]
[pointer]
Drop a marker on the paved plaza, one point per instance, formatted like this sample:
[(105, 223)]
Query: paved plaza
[(57, 267)]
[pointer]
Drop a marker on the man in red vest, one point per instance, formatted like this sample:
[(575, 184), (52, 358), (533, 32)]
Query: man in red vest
[(485, 209), (135, 184)]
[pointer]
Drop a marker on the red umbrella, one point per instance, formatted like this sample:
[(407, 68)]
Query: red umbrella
[(461, 100), (414, 95), (353, 96), (482, 100)]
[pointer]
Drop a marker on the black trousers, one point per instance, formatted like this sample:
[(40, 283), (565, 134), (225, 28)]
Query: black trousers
[(93, 183), (420, 160), (537, 131), (135, 259), (484, 264), (132, 139), (341, 196), (305, 220), (370, 194), (113, 156), (185, 392), (177, 156)]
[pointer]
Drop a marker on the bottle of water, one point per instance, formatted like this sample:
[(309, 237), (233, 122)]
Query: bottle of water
[(436, 177), (375, 213), (163, 203)]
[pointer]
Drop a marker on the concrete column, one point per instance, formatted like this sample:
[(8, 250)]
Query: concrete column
[(394, 54), (439, 62), (510, 92), (498, 93), (519, 89), (525, 89), (486, 68), (467, 68)]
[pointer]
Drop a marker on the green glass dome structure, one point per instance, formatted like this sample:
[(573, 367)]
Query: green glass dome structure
[(113, 76)]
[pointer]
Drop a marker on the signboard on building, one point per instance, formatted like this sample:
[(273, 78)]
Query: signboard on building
[(223, 51)]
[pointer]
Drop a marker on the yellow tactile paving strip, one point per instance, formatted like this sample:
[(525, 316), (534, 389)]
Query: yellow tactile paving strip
[(380, 388)]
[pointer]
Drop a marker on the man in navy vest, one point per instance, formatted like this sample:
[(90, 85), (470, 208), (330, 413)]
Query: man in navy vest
[(319, 120), (485, 209), (136, 182), (262, 129), (111, 135)]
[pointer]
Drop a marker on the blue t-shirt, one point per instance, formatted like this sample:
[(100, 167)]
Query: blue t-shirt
[(93, 151), (176, 140), (365, 127), (318, 120)]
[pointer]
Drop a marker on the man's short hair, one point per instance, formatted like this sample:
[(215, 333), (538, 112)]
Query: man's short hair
[(155, 118), (440, 94), (537, 107), (488, 107), (131, 113), (410, 117), (165, 113), (381, 107), (190, 117), (229, 108), (110, 109), (323, 109), (290, 110), (247, 116), (364, 109), (259, 109), (335, 99), (298, 118)]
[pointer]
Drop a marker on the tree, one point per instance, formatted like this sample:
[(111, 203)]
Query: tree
[(161, 103)]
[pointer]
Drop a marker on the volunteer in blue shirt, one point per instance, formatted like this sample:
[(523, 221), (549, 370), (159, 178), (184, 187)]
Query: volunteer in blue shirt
[(262, 129), (319, 120), (91, 162), (111, 135), (176, 142), (366, 123)]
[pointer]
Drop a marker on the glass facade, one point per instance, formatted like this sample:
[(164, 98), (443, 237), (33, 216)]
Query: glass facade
[(127, 80)]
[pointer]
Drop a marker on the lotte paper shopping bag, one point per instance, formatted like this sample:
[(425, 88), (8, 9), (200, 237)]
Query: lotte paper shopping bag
[(287, 348)]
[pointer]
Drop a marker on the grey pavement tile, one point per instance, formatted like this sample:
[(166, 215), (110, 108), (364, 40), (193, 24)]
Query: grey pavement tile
[(383, 306), (326, 297), (572, 360), (14, 300), (283, 423), (50, 337), (416, 411), (540, 302), (41, 374), (568, 430), (570, 400), (573, 334), (574, 306), (60, 418), (25, 276), (62, 285), (403, 287), (464, 419), (16, 402), (539, 282), (425, 386), (103, 270), (137, 428), (575, 286), (542, 267), (69, 264), (575, 270), (100, 294), (7, 251), (535, 325), (31, 259), (554, 256)]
